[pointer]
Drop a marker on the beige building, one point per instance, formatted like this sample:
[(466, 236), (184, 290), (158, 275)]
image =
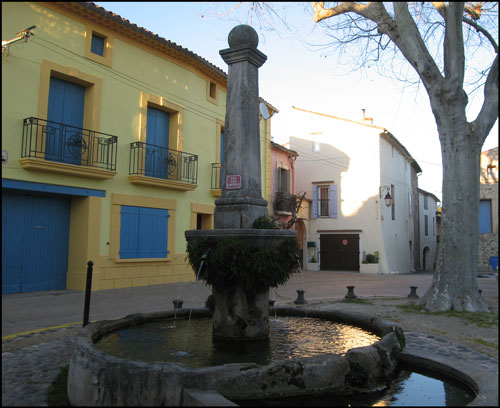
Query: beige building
[(362, 184), (488, 210)]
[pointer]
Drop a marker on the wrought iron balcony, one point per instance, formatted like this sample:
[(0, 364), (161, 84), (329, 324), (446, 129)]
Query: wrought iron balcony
[(162, 163), (58, 142), (216, 176), (284, 202)]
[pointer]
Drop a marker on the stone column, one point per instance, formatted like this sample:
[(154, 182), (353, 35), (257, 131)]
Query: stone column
[(241, 202)]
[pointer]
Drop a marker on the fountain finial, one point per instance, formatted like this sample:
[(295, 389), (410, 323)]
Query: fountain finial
[(243, 35)]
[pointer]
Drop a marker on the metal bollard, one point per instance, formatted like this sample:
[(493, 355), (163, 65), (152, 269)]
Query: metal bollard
[(177, 303), (300, 298), (413, 292), (350, 293), (88, 288)]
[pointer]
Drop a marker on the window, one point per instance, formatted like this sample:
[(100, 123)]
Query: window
[(97, 44), (283, 181), (63, 139), (393, 206), (143, 232), (426, 202), (426, 224), (158, 159), (409, 203), (485, 217), (325, 201), (213, 90)]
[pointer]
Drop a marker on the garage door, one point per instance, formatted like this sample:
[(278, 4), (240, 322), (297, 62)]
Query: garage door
[(35, 234), (339, 252)]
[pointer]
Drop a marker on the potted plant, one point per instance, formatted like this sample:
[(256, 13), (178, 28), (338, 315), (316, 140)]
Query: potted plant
[(370, 264)]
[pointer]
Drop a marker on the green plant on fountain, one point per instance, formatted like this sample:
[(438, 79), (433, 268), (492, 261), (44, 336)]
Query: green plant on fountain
[(231, 262)]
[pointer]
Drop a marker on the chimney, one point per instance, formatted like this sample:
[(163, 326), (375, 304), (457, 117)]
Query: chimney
[(367, 119)]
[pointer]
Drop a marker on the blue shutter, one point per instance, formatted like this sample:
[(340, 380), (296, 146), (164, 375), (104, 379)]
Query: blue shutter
[(333, 201), (157, 128), (315, 202), (485, 217), (153, 232), (129, 232), (143, 232), (66, 106), (97, 46)]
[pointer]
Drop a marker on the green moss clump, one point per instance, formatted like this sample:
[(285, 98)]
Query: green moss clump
[(265, 223), (58, 390), (230, 262)]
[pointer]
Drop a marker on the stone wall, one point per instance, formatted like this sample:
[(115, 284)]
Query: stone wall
[(488, 243)]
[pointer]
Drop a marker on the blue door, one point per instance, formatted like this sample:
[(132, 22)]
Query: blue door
[(35, 235), (158, 160), (64, 141)]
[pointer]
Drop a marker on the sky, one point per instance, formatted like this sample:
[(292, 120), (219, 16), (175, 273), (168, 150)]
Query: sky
[(301, 74)]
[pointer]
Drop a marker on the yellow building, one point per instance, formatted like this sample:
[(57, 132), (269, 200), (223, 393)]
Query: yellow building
[(111, 137)]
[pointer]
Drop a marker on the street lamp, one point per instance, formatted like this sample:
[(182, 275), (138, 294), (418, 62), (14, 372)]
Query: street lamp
[(387, 198)]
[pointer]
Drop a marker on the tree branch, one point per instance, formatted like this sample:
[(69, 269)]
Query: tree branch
[(482, 31), (489, 111), (454, 58), (411, 44)]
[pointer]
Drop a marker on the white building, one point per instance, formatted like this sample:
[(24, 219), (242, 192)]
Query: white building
[(348, 169), (428, 225)]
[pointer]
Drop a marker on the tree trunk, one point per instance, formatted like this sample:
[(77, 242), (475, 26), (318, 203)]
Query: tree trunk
[(454, 286)]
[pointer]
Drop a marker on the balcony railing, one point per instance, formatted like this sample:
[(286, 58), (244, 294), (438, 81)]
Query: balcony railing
[(216, 176), (68, 144), (284, 202), (160, 162)]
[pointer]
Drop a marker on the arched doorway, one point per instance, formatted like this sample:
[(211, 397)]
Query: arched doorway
[(427, 261)]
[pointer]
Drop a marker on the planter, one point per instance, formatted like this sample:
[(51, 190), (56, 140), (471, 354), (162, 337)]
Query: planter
[(312, 266), (369, 268)]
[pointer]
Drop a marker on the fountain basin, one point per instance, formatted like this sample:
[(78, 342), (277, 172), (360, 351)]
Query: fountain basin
[(98, 378)]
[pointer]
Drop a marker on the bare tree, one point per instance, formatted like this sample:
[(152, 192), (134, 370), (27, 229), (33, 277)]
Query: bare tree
[(454, 286), (435, 39)]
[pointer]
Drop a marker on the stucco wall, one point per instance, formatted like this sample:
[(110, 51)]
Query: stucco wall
[(488, 189), (137, 75)]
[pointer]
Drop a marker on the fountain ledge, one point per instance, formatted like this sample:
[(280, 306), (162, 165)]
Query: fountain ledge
[(98, 378)]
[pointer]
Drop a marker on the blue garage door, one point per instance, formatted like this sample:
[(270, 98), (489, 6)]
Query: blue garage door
[(35, 234)]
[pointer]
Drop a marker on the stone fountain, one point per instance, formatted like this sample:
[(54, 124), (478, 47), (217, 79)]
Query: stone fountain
[(241, 311), (239, 315)]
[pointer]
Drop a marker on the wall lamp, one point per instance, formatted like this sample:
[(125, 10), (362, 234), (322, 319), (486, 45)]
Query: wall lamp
[(387, 198)]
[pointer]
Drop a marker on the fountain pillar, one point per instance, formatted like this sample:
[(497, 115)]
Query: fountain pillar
[(241, 310), (241, 202)]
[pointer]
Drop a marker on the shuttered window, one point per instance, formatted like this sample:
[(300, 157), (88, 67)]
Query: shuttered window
[(97, 45), (485, 217), (283, 180), (325, 201), (143, 232)]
